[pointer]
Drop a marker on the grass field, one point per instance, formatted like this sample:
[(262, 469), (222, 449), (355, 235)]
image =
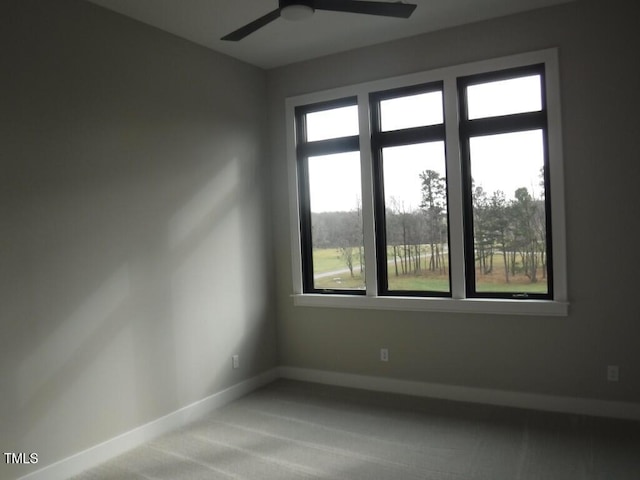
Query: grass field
[(329, 260), (495, 283)]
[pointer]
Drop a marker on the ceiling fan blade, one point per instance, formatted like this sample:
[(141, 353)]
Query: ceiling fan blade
[(242, 32), (387, 9)]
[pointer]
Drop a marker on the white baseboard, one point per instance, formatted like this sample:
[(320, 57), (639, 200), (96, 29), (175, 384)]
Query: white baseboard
[(102, 452), (573, 405)]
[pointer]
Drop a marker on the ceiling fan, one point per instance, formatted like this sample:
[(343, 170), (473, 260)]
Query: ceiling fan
[(299, 9)]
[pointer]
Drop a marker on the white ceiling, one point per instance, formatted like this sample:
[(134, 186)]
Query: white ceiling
[(283, 42)]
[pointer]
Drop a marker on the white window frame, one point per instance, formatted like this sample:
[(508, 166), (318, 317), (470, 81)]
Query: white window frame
[(458, 302)]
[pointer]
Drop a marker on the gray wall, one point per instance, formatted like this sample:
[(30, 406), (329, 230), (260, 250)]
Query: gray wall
[(134, 232), (598, 44)]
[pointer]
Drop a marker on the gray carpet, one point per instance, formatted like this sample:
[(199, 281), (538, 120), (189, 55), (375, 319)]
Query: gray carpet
[(295, 430)]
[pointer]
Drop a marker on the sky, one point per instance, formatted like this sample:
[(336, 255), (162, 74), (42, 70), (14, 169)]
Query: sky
[(498, 162)]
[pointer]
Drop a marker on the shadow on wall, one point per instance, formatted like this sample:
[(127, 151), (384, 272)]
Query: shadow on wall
[(158, 330)]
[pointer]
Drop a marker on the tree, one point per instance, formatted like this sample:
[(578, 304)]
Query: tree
[(399, 234), (482, 232), (393, 223), (529, 231), (342, 231), (349, 237), (499, 225), (434, 207)]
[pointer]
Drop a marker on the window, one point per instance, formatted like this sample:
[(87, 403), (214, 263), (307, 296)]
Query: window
[(408, 155), (435, 191), (503, 139), (330, 214)]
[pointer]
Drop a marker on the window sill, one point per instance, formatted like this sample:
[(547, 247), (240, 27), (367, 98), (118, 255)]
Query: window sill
[(454, 305)]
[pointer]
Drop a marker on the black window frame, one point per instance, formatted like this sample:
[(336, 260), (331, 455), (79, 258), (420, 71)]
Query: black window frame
[(304, 150), (510, 123), (407, 136)]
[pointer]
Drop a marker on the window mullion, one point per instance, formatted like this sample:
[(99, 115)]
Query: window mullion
[(368, 226), (454, 189), (504, 124), (328, 147), (410, 136)]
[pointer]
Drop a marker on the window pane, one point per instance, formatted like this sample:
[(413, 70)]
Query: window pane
[(412, 111), (336, 221), (509, 212), (334, 123), (416, 217), (504, 97)]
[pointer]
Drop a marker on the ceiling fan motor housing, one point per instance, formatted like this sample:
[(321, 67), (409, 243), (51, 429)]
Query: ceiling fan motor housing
[(296, 10), (288, 3)]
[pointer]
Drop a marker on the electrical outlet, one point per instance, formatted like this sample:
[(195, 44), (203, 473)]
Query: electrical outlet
[(235, 361), (384, 354), (613, 373)]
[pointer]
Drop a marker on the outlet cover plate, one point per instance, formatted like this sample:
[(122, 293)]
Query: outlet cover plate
[(384, 354)]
